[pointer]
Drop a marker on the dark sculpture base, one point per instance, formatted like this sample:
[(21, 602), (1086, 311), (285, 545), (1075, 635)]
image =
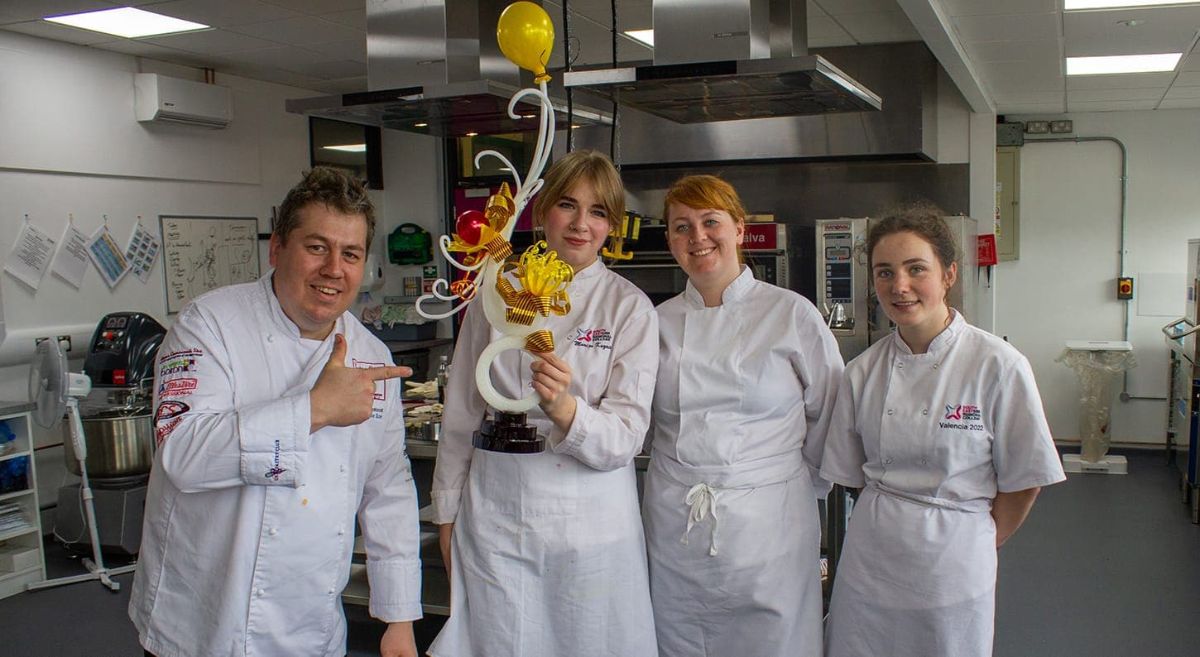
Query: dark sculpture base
[(508, 433)]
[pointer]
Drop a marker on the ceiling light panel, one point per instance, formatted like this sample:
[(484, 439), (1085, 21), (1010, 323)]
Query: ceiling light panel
[(1122, 64), (1079, 5), (127, 22), (642, 36)]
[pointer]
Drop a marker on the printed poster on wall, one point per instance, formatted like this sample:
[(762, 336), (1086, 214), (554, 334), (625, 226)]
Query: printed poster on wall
[(71, 259), (107, 256), (141, 252), (30, 256)]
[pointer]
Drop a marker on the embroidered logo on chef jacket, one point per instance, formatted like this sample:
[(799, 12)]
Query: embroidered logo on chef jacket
[(275, 470), (962, 416), (380, 387), (178, 362), (597, 338), (166, 418), (176, 388)]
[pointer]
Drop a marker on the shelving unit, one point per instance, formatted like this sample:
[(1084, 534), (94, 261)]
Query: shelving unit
[(22, 560)]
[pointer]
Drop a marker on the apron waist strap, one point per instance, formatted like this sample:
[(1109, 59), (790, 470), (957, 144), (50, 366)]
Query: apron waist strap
[(969, 506)]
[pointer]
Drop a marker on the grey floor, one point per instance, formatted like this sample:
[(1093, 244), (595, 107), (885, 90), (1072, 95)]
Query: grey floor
[(1105, 566)]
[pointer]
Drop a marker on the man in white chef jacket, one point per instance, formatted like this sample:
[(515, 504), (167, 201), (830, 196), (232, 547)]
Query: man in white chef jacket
[(278, 420)]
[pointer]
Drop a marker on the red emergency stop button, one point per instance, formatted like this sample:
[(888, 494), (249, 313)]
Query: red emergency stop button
[(1125, 287)]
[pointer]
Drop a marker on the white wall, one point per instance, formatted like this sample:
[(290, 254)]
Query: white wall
[(1063, 285), (70, 145)]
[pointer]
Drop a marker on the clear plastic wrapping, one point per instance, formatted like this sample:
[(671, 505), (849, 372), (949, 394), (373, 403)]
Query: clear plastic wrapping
[(1097, 372)]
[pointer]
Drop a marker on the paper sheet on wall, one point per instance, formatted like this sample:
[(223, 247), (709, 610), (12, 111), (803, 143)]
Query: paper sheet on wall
[(71, 259), (141, 252), (30, 256), (107, 256)]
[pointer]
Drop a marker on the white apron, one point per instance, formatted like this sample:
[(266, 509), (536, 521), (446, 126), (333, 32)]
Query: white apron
[(744, 395), (548, 553)]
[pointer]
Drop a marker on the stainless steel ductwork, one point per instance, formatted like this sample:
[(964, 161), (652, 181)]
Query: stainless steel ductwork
[(434, 67), (722, 60), (906, 74)]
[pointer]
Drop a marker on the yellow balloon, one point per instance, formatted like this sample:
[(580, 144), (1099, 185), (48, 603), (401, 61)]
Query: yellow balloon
[(526, 37)]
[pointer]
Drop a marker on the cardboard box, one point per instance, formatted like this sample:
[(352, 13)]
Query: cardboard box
[(14, 558)]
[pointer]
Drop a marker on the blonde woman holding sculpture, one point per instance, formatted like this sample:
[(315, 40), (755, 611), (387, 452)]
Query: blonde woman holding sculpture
[(746, 383), (546, 551)]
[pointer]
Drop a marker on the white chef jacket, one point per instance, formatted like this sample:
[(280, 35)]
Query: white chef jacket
[(548, 556), (249, 523), (931, 438), (744, 397)]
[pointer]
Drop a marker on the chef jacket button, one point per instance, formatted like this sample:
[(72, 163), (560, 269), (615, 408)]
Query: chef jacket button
[(935, 365), (341, 532), (924, 461), (259, 593), (341, 468), (924, 411), (273, 531), (331, 591), (887, 461), (900, 365), (890, 411), (270, 338)]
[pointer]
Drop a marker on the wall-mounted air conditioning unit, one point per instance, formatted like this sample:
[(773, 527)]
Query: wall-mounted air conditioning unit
[(160, 98)]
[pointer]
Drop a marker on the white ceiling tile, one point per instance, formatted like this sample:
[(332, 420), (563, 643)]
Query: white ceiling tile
[(354, 50), (223, 13), (1027, 27), (1110, 105), (1180, 103), (1162, 29), (993, 7), (1188, 79), (879, 27), (1013, 51), (299, 31), (1191, 62), (140, 49), (355, 18), (1176, 93), (15, 11), (58, 32), (843, 7), (335, 70), (211, 42), (318, 6), (1085, 95), (1126, 81), (286, 58)]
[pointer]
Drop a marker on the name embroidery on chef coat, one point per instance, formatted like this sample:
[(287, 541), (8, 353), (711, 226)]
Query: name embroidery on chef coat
[(596, 338), (962, 416), (380, 386)]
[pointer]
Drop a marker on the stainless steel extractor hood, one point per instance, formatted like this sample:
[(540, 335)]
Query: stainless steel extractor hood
[(717, 60), (434, 67)]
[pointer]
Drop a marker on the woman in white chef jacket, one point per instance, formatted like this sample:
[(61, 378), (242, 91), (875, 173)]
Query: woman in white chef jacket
[(746, 382), (546, 551), (941, 426)]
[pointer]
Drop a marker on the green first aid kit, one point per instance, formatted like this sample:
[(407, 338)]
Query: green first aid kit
[(410, 244)]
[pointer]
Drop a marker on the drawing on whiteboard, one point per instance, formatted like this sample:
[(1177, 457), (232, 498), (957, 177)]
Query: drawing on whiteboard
[(204, 253)]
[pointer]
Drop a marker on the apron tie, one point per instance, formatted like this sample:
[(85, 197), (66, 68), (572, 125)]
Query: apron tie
[(702, 501)]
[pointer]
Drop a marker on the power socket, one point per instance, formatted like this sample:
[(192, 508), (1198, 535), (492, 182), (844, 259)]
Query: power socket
[(64, 343)]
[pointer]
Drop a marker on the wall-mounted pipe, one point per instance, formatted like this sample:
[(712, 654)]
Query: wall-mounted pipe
[(1125, 396)]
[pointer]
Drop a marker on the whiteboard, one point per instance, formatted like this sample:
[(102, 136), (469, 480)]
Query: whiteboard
[(204, 253)]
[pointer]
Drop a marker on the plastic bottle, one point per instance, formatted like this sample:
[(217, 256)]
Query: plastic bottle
[(443, 372)]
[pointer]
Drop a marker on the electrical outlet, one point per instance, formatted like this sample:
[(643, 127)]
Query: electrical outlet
[(37, 341), (64, 342)]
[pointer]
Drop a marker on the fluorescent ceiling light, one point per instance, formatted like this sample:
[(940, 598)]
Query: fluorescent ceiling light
[(348, 148), (127, 22), (1075, 5), (643, 36), (1122, 64)]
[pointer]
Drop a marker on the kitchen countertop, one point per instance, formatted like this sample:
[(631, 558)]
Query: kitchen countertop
[(12, 408)]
